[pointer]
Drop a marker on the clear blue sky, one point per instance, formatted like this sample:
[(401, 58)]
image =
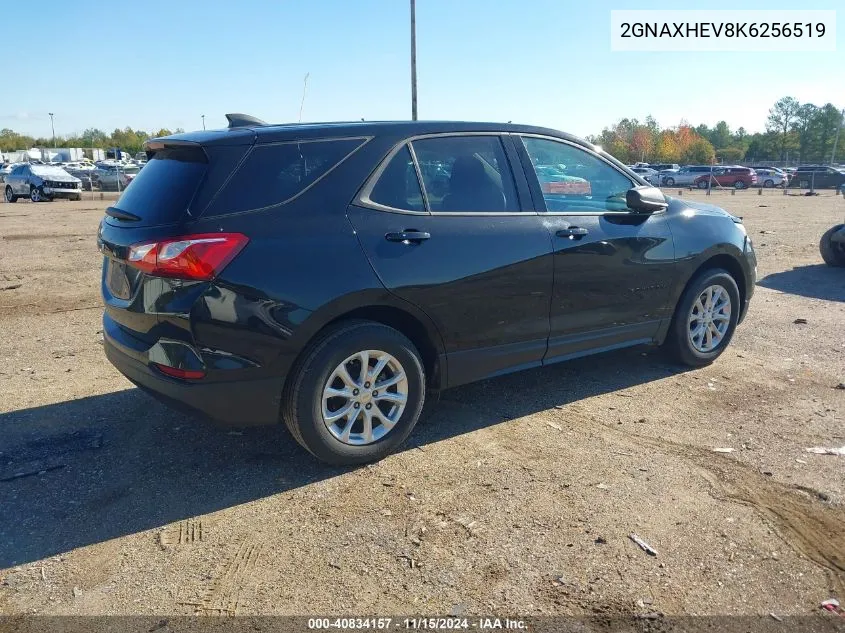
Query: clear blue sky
[(153, 63)]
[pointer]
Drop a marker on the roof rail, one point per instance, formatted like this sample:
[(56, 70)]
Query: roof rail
[(243, 120)]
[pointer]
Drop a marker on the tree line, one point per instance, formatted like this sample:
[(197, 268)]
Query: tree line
[(795, 133), (127, 139)]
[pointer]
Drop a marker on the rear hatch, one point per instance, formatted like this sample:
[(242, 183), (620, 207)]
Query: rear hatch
[(165, 197)]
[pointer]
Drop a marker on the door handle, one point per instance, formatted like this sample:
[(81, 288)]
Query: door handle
[(573, 232), (411, 235)]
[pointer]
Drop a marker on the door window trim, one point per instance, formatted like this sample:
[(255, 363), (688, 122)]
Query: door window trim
[(363, 197), (523, 150)]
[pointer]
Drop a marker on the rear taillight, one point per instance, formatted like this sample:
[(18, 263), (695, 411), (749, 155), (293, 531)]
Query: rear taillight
[(200, 257)]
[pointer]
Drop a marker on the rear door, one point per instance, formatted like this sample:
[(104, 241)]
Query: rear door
[(613, 266), (447, 224)]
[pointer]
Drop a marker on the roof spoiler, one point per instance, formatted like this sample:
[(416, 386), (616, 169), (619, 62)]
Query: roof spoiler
[(243, 120)]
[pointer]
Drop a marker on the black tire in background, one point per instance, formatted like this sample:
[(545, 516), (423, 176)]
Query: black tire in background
[(302, 397), (678, 339), (833, 253)]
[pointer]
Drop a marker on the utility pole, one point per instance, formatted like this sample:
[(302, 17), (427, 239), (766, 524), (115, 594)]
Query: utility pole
[(413, 60), (836, 138), (203, 121), (53, 127)]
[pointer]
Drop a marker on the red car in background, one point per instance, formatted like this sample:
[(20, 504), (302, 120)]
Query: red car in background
[(737, 177)]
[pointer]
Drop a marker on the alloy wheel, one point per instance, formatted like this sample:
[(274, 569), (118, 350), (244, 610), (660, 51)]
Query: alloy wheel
[(34, 194), (9, 194), (709, 318), (364, 397)]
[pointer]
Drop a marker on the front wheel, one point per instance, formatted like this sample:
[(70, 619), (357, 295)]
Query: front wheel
[(833, 253), (705, 318), (356, 394), (36, 194), (10, 196)]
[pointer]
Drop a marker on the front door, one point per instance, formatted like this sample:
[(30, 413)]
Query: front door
[(466, 248), (613, 267)]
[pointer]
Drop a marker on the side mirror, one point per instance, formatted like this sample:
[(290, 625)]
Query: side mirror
[(646, 199)]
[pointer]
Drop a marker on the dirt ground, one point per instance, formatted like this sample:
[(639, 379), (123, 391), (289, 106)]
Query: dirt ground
[(516, 497)]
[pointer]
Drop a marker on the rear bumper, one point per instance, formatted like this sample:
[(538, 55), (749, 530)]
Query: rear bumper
[(244, 402)]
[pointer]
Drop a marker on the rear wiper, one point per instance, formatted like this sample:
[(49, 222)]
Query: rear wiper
[(122, 215)]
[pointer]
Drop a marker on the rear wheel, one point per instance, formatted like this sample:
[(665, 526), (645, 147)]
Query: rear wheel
[(705, 318), (356, 395), (702, 184), (769, 183), (739, 185), (10, 196), (833, 253)]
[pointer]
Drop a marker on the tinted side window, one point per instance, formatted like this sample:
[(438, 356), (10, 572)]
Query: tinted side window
[(273, 174), (571, 178), (466, 174), (398, 186)]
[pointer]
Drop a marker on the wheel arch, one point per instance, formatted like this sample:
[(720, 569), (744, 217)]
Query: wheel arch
[(405, 318), (721, 260)]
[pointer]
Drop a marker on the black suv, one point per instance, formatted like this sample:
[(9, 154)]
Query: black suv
[(332, 275), (818, 177)]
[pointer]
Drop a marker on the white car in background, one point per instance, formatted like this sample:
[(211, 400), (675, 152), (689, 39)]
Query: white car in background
[(685, 176), (771, 177), (648, 173)]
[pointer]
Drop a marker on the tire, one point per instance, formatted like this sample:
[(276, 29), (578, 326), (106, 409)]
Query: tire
[(833, 253), (77, 198), (36, 194), (10, 197), (669, 182), (679, 340), (702, 184), (303, 402), (769, 183), (739, 185)]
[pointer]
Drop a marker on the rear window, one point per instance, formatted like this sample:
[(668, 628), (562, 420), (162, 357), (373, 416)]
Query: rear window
[(162, 191), (273, 174)]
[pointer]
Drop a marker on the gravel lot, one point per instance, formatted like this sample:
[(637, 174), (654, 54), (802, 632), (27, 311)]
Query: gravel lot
[(516, 496)]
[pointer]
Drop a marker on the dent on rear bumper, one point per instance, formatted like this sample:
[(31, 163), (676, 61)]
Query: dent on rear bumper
[(238, 402)]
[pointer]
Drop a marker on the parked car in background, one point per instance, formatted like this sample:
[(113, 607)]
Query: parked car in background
[(667, 167), (6, 169), (216, 299), (731, 176), (771, 177), (41, 183), (112, 176), (648, 173), (817, 176), (684, 176)]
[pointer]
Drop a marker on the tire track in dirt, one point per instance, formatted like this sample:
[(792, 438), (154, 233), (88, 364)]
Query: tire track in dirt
[(811, 528), (184, 533), (224, 596)]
